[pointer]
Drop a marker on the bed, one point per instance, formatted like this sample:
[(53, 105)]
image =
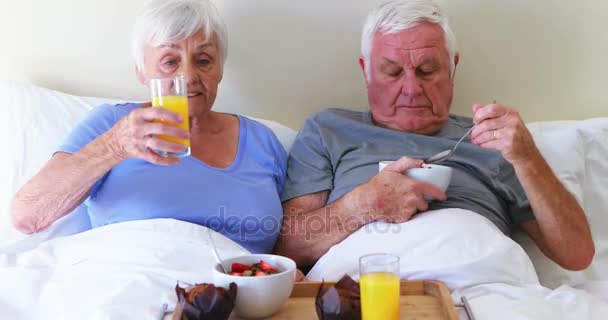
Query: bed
[(128, 270)]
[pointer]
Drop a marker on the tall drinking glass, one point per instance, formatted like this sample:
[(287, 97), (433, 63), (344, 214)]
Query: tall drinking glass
[(171, 94), (380, 287)]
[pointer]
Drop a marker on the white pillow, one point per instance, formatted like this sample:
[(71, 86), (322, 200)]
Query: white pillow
[(456, 246), (595, 189), (37, 120), (564, 150)]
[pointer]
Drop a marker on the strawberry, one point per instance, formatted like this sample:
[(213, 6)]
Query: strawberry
[(266, 267), (239, 267), (261, 274)]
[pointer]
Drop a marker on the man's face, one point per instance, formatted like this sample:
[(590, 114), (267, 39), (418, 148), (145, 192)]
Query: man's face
[(410, 88)]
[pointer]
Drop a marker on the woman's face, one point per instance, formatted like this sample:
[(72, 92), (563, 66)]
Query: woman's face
[(196, 58)]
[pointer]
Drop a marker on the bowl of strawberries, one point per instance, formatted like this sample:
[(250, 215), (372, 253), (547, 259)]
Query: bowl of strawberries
[(264, 283)]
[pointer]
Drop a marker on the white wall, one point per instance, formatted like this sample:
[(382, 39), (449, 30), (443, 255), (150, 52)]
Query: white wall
[(288, 59)]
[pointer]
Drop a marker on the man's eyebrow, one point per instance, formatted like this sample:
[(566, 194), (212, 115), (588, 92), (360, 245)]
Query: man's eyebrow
[(433, 61), (388, 61)]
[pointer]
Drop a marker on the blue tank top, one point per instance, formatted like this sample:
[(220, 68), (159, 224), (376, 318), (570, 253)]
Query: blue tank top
[(241, 201)]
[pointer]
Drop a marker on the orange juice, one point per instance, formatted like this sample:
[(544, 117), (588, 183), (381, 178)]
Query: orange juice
[(380, 292), (177, 104)]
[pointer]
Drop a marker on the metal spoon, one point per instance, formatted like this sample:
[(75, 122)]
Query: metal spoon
[(217, 256), (467, 308), (445, 154), (163, 310)]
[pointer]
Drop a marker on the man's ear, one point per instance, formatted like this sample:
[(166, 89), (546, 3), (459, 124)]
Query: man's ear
[(362, 65), (456, 60), (140, 75)]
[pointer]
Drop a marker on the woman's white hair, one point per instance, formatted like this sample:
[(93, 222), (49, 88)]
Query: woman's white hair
[(173, 21), (396, 16)]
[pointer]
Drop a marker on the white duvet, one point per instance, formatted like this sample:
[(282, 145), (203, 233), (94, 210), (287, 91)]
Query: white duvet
[(469, 254), (120, 271), (128, 270)]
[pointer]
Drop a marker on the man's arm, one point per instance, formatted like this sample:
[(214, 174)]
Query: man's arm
[(561, 229), (310, 227)]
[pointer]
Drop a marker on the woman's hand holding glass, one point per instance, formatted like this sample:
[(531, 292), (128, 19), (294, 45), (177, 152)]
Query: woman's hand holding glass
[(136, 135)]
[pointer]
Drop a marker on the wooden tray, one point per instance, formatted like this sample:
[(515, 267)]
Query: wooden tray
[(420, 300)]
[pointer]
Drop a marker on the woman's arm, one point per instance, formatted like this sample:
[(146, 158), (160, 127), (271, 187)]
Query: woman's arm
[(62, 185), (66, 180)]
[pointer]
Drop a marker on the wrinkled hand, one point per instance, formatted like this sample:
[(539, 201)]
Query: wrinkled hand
[(394, 197), (133, 135), (501, 128), (300, 277)]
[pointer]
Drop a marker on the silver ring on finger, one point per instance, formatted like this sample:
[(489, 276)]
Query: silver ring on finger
[(495, 134)]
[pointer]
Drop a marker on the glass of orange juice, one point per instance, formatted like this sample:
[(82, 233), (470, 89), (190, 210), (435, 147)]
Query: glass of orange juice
[(171, 94), (380, 287)]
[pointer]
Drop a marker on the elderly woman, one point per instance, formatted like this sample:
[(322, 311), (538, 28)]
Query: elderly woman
[(231, 181)]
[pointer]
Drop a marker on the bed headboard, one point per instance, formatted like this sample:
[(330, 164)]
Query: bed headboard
[(288, 59)]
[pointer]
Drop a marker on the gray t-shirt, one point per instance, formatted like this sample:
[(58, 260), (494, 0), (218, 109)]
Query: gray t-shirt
[(338, 150)]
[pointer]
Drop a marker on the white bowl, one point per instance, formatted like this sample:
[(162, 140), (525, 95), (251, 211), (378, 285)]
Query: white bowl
[(437, 175), (259, 297)]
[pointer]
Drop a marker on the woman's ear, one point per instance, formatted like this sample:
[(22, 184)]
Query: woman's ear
[(140, 76)]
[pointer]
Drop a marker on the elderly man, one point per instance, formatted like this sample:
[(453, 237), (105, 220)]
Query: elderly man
[(409, 62)]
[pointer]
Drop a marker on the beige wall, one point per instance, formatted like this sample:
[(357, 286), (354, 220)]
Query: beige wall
[(288, 59)]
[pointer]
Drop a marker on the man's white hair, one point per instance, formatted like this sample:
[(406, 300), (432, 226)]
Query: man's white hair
[(396, 16), (173, 21)]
